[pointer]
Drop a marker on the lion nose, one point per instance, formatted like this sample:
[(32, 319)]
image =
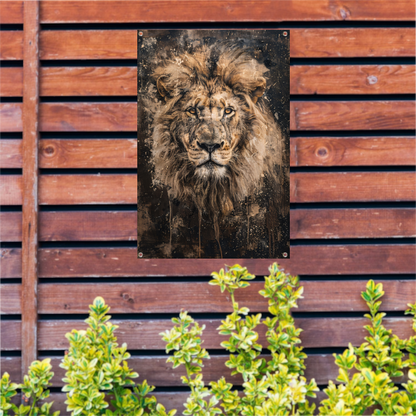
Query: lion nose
[(208, 147)]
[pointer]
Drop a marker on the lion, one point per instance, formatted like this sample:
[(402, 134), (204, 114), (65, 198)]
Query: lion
[(214, 137)]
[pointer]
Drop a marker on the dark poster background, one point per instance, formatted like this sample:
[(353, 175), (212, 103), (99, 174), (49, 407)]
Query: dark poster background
[(258, 227)]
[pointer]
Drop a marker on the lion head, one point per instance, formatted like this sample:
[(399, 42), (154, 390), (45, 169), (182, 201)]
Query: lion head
[(213, 137)]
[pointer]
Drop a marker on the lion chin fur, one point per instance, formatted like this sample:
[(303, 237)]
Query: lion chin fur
[(222, 73)]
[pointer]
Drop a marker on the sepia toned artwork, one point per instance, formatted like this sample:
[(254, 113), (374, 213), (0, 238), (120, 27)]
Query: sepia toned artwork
[(213, 144)]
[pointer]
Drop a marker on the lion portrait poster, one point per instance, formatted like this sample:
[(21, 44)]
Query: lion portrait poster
[(213, 144)]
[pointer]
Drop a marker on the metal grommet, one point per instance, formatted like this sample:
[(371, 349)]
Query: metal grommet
[(284, 254), (284, 33), (140, 255), (140, 33)]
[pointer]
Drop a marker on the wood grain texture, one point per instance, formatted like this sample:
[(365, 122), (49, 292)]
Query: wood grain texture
[(88, 189), (88, 117), (11, 153), (11, 263), (11, 299), (84, 153), (11, 82), (321, 296), (11, 336), (11, 12), (144, 334), (10, 226), (305, 115), (11, 48), (88, 81), (11, 117), (11, 190), (352, 115), (352, 223), (349, 186), (30, 180), (352, 151), (317, 260), (304, 79), (220, 11), (352, 79)]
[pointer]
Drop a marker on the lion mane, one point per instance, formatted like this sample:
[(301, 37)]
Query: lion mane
[(213, 138)]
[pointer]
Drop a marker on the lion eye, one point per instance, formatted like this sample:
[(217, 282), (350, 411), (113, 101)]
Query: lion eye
[(228, 110), (191, 111)]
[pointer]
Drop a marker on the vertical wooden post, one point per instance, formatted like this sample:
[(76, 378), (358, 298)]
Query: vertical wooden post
[(30, 182)]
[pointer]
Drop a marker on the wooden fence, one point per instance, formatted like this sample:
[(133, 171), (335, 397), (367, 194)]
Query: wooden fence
[(68, 123)]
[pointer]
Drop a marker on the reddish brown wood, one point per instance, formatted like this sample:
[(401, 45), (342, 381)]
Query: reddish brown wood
[(10, 226), (90, 226), (11, 44), (220, 11), (64, 81), (343, 186), (11, 295), (88, 117), (11, 12), (11, 117), (84, 153), (144, 334), (352, 223), (352, 151), (11, 263), (352, 115), (321, 296), (311, 43), (11, 336), (11, 82), (88, 189), (11, 189), (30, 184), (317, 260), (11, 153)]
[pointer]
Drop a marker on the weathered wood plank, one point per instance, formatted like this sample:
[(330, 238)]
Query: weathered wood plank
[(83, 153), (87, 81), (352, 79), (219, 11), (11, 117), (11, 299), (11, 189), (304, 79), (352, 115), (311, 43), (144, 334), (11, 226), (11, 81), (30, 181), (305, 115), (11, 263), (88, 117), (321, 296), (11, 48), (352, 223), (317, 260), (11, 336), (11, 12), (352, 151), (10, 153), (349, 186), (89, 189)]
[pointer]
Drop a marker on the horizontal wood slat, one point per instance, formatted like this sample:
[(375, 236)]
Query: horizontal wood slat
[(11, 303), (304, 187), (349, 186), (10, 153), (352, 151), (106, 153), (11, 335), (208, 10), (11, 82), (321, 296), (144, 334), (11, 47), (352, 115), (122, 262), (304, 224), (11, 117)]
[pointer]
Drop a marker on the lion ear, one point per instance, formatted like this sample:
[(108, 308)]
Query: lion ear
[(258, 90), (162, 86)]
